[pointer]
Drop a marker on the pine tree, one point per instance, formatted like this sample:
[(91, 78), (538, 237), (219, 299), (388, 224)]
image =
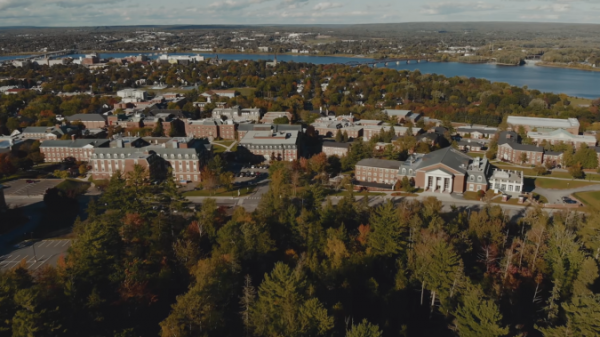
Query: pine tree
[(338, 136), (388, 231), (345, 136), (477, 316), (158, 130), (364, 329), (282, 309)]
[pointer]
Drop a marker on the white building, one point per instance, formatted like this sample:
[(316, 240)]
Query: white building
[(132, 95), (507, 181)]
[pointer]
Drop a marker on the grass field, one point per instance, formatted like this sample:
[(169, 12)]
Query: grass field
[(560, 184), (577, 101), (590, 199), (78, 186), (245, 91), (220, 192), (475, 155), (471, 196)]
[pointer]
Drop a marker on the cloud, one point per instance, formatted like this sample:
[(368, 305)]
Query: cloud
[(443, 8), (6, 4), (556, 8), (326, 5), (292, 4)]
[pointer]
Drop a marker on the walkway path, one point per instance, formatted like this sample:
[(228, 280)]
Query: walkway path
[(227, 148)]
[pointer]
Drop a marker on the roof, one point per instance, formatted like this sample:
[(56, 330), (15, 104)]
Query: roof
[(563, 134), (77, 143), (543, 122), (270, 138), (85, 118), (380, 163), (336, 144), (523, 147), (449, 157), (35, 129), (470, 129), (394, 112)]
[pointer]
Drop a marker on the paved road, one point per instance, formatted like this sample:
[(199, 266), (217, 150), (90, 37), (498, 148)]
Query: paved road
[(20, 188), (47, 252), (555, 196)]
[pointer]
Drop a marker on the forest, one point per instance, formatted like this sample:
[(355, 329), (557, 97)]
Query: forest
[(300, 266)]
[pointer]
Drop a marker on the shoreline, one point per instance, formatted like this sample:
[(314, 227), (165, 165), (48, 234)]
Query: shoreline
[(561, 66)]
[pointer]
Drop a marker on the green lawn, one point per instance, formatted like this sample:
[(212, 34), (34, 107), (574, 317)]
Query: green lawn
[(560, 184), (218, 149), (78, 186), (475, 155), (245, 91), (471, 196), (224, 142), (221, 192), (590, 199)]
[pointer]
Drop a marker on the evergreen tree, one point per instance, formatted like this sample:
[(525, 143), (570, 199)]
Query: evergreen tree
[(345, 137), (158, 130), (388, 231), (338, 136), (477, 316), (364, 329), (282, 308)]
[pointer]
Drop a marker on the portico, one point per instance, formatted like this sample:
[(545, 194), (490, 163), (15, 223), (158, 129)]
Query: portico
[(439, 181)]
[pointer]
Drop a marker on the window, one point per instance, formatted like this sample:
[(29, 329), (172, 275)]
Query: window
[(472, 178), (403, 171), (479, 178), (471, 187), (517, 188)]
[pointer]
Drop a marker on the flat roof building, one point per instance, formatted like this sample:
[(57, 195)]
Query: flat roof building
[(543, 124)]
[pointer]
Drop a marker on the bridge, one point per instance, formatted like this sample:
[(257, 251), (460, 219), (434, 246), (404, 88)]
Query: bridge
[(50, 54), (386, 62)]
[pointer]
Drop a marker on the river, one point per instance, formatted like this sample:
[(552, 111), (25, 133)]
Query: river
[(573, 82)]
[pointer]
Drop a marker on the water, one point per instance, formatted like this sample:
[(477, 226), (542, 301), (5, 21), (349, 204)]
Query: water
[(573, 82)]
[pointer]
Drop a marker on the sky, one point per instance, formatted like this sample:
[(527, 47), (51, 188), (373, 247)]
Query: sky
[(160, 12)]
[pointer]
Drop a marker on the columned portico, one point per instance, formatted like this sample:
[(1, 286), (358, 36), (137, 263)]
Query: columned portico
[(439, 181)]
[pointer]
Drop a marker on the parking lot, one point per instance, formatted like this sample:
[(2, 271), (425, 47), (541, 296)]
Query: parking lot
[(47, 252), (35, 187)]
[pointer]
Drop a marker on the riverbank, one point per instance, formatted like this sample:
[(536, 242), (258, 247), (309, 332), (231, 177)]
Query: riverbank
[(566, 66)]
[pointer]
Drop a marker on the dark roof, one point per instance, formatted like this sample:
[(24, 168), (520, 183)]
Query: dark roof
[(329, 143), (287, 127), (429, 135), (246, 127), (449, 157), (175, 112), (380, 163), (524, 147), (514, 137), (85, 118), (75, 143)]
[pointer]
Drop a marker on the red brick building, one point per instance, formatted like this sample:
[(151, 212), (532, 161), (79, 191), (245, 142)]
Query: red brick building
[(210, 128), (80, 149), (270, 145), (90, 121)]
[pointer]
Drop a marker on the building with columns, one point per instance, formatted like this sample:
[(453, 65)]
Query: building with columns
[(443, 171)]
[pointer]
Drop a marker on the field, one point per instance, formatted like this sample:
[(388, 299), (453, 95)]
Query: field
[(221, 192), (590, 199), (559, 184)]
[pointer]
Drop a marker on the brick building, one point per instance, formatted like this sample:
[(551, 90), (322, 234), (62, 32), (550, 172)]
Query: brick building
[(185, 156), (377, 171), (270, 145), (90, 121), (210, 128), (80, 149), (331, 148)]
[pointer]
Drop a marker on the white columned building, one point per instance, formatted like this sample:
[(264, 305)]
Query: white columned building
[(439, 180)]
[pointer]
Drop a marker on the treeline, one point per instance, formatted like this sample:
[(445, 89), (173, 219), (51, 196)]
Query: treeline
[(142, 265)]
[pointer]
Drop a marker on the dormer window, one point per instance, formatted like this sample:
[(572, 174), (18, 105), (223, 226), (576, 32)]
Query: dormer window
[(472, 178), (478, 178)]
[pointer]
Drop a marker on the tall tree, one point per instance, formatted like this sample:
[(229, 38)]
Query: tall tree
[(478, 316)]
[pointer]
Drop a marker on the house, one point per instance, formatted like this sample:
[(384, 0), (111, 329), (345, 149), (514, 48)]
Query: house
[(470, 145), (80, 149), (237, 114), (377, 173), (538, 124), (270, 145), (510, 149), (507, 181), (475, 132), (90, 121), (332, 148)]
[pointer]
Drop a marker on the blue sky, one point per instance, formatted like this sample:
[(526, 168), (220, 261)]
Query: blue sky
[(133, 12)]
